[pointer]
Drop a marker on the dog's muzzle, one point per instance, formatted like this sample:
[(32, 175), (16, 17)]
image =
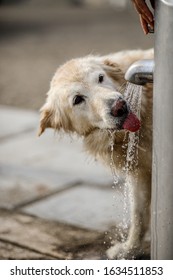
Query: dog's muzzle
[(124, 117), (119, 109)]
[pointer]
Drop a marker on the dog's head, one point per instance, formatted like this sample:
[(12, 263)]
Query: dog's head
[(84, 95)]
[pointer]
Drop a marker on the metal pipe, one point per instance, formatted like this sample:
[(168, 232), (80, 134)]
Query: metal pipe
[(140, 72), (162, 172)]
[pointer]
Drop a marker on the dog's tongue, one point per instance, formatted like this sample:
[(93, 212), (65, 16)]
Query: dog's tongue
[(132, 123)]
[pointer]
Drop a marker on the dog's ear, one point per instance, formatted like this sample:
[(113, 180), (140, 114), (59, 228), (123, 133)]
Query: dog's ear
[(46, 119), (114, 71), (49, 119)]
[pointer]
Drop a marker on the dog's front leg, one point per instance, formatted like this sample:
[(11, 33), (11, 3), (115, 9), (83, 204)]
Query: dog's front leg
[(139, 195)]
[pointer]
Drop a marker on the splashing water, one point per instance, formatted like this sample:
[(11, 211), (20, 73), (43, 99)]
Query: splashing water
[(133, 95)]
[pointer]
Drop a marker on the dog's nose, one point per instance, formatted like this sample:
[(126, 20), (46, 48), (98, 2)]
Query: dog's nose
[(119, 108)]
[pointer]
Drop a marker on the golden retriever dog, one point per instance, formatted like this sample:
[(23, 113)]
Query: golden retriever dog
[(86, 98)]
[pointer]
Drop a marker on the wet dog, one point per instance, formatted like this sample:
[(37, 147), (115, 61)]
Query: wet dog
[(86, 98)]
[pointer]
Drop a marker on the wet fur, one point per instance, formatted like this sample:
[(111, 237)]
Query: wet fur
[(91, 121)]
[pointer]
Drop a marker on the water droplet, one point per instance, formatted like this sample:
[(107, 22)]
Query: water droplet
[(112, 163)]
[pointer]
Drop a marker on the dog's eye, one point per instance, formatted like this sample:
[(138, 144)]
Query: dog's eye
[(101, 78), (78, 99)]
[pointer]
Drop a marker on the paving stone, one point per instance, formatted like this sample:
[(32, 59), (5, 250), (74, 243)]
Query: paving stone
[(15, 252), (14, 121), (60, 154), (46, 239), (84, 206), (20, 185)]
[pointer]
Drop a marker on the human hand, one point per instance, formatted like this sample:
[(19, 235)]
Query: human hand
[(145, 15)]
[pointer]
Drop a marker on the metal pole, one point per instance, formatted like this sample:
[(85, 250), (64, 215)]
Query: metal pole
[(162, 179)]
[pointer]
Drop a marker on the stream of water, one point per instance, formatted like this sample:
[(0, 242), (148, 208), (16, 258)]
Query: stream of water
[(133, 95)]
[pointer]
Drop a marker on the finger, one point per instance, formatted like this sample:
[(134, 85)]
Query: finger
[(136, 7), (140, 13), (145, 17), (144, 25), (143, 9)]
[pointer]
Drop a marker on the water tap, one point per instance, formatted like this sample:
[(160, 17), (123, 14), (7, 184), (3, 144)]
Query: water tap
[(140, 72)]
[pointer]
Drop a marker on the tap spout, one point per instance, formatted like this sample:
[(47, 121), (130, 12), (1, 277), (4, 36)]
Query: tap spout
[(140, 72)]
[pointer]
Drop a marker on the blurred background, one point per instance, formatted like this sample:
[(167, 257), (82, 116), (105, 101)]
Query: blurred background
[(50, 182), (38, 35)]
